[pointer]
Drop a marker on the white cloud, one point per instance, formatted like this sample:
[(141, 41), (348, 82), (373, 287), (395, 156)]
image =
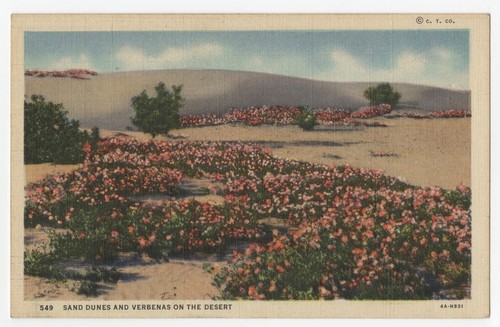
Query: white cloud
[(442, 54), (80, 62), (348, 67), (134, 58), (435, 67), (408, 62)]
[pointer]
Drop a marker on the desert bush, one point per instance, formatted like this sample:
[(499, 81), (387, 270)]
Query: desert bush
[(382, 93), (42, 264), (50, 136), (306, 119), (87, 288), (160, 114), (46, 263)]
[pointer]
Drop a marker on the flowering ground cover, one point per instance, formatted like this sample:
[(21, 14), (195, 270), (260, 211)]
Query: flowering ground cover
[(350, 233), (285, 115), (375, 111), (435, 114), (72, 73), (451, 114)]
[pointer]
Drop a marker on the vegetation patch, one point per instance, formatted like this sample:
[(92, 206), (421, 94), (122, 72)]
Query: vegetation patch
[(350, 233), (383, 154), (50, 136)]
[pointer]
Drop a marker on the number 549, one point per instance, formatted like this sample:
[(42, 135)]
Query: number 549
[(46, 308)]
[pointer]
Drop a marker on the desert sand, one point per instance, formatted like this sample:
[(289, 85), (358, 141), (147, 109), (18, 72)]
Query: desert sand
[(40, 171), (174, 280)]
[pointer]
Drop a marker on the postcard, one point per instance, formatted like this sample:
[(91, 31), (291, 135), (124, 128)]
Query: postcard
[(278, 165)]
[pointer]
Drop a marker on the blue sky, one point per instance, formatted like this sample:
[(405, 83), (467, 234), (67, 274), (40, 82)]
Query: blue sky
[(439, 58)]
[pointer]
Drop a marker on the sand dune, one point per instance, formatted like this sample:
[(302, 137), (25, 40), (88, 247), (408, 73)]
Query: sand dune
[(104, 100)]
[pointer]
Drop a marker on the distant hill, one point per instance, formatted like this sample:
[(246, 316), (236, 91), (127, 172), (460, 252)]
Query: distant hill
[(104, 100)]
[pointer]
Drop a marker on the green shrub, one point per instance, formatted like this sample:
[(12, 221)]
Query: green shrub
[(42, 264), (87, 288), (90, 235), (158, 115), (382, 93), (47, 264), (98, 274), (306, 119), (50, 136)]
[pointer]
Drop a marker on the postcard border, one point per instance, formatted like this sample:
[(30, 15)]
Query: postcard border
[(477, 24)]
